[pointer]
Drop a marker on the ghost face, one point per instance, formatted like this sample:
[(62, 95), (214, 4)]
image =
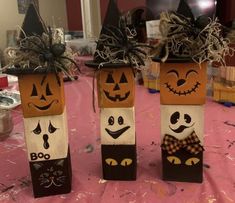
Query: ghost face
[(180, 121), (46, 137), (41, 94), (116, 87), (117, 126), (183, 83)]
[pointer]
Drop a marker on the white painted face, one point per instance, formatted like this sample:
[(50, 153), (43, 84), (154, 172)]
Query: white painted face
[(117, 126), (181, 120), (46, 137)]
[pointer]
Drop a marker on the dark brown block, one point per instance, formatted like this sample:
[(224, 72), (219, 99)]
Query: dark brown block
[(182, 166), (51, 177), (119, 162)]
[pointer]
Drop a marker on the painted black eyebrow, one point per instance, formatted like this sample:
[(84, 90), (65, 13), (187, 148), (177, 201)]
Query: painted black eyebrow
[(190, 71), (173, 71)]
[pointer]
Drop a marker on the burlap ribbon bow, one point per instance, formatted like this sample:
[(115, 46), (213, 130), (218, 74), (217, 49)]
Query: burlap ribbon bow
[(190, 143)]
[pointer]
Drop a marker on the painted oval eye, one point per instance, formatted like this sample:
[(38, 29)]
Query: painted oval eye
[(120, 120), (175, 117), (34, 91), (111, 120), (123, 79), (111, 162), (192, 161), (126, 162), (187, 118), (38, 129), (174, 159), (48, 91), (110, 79), (51, 128)]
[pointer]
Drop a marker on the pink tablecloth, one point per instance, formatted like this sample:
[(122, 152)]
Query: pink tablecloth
[(88, 186)]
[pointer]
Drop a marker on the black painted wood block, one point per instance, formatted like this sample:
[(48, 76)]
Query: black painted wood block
[(182, 166), (51, 177), (119, 162)]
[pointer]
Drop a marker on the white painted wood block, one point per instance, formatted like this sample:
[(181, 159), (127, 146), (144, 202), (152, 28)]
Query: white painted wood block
[(46, 137), (181, 120), (117, 126)]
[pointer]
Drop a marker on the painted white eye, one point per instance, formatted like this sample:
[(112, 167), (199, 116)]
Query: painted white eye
[(192, 161), (126, 162), (173, 160), (111, 162)]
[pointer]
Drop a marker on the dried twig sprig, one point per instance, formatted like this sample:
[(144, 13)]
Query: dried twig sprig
[(199, 39), (117, 45)]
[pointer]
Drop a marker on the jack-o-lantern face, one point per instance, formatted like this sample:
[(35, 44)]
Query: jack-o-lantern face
[(46, 137), (41, 94), (116, 87), (117, 126), (183, 83), (180, 121)]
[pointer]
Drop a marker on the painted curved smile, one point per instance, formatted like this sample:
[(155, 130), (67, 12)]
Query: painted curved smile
[(196, 86), (118, 133), (43, 108), (117, 96), (181, 128)]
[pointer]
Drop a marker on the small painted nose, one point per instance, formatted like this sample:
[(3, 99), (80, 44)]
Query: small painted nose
[(43, 98), (181, 82), (116, 87)]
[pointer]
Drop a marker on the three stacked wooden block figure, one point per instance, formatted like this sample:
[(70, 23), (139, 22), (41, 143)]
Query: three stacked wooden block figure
[(115, 58), (186, 48), (43, 104)]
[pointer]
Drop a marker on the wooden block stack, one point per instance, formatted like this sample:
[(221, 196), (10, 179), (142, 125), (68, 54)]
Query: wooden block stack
[(182, 95), (116, 92)]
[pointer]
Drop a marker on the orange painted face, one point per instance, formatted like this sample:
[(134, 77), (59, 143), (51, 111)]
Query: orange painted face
[(116, 87), (183, 83), (41, 94)]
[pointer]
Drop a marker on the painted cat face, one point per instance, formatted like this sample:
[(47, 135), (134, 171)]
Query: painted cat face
[(183, 83), (116, 87), (117, 126), (119, 162), (41, 94), (180, 121), (46, 137)]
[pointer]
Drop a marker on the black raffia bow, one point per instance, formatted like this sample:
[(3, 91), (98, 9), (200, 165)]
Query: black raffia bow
[(190, 143)]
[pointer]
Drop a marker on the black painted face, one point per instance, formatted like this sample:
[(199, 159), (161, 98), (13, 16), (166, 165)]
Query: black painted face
[(117, 133), (38, 131), (51, 177), (119, 162), (182, 166), (177, 118), (180, 84)]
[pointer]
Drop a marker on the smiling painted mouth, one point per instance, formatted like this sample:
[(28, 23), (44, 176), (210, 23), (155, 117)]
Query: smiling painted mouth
[(117, 96), (184, 92), (116, 134), (43, 108), (181, 128)]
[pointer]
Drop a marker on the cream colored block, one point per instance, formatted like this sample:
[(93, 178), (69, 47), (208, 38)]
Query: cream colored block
[(181, 120), (46, 137), (117, 126)]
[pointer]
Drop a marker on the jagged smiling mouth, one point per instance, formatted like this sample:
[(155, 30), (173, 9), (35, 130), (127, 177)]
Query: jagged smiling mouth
[(171, 89), (118, 133), (117, 96), (43, 108)]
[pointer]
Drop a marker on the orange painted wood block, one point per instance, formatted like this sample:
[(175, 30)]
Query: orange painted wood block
[(41, 94), (183, 83), (116, 87)]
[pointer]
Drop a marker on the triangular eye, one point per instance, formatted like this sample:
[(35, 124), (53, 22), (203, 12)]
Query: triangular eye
[(123, 78), (51, 128), (37, 130), (110, 79), (48, 91), (34, 91)]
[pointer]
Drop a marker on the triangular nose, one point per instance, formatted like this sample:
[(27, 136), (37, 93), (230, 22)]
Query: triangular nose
[(116, 87), (43, 98), (181, 82)]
